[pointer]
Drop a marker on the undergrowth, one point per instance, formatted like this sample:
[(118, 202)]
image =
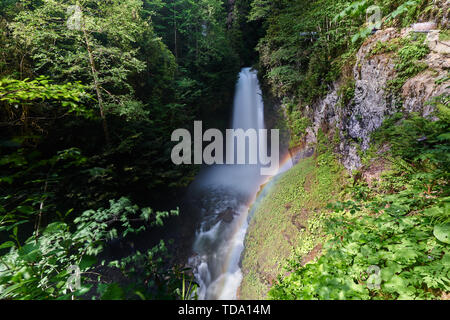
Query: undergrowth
[(285, 207), (390, 241), (407, 55)]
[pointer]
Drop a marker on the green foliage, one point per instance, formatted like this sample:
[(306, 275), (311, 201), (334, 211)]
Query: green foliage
[(160, 282), (356, 10), (297, 126), (244, 34), (413, 263), (407, 53), (150, 67), (442, 232), (39, 268), (407, 8), (15, 91), (400, 225), (66, 53), (405, 12), (39, 175), (195, 33), (308, 45), (386, 47), (294, 204), (422, 144), (347, 92), (261, 9), (444, 35), (300, 45)]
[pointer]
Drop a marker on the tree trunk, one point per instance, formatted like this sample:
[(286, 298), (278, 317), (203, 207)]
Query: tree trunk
[(97, 86)]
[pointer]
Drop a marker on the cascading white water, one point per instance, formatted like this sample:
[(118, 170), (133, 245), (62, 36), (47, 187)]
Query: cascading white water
[(219, 244)]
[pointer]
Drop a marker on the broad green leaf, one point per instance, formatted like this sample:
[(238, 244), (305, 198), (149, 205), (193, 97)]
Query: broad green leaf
[(7, 244), (442, 232), (87, 262)]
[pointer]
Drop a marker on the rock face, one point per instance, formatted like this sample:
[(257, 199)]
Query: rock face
[(371, 103)]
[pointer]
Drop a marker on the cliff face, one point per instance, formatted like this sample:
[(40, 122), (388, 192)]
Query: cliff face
[(372, 103)]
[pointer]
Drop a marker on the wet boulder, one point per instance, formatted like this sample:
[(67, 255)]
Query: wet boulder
[(227, 215)]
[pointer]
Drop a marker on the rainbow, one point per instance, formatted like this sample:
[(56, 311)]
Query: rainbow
[(242, 220)]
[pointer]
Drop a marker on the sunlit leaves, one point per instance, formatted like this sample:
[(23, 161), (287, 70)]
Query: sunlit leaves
[(17, 92)]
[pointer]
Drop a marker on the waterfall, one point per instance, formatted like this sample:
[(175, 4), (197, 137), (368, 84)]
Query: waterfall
[(222, 195)]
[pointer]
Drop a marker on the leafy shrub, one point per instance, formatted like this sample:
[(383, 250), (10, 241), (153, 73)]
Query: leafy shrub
[(414, 264), (40, 268), (407, 61), (347, 92)]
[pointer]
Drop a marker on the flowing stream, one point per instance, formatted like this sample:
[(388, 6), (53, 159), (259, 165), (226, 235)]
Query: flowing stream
[(222, 195)]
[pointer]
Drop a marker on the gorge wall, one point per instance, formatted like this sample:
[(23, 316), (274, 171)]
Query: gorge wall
[(372, 102)]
